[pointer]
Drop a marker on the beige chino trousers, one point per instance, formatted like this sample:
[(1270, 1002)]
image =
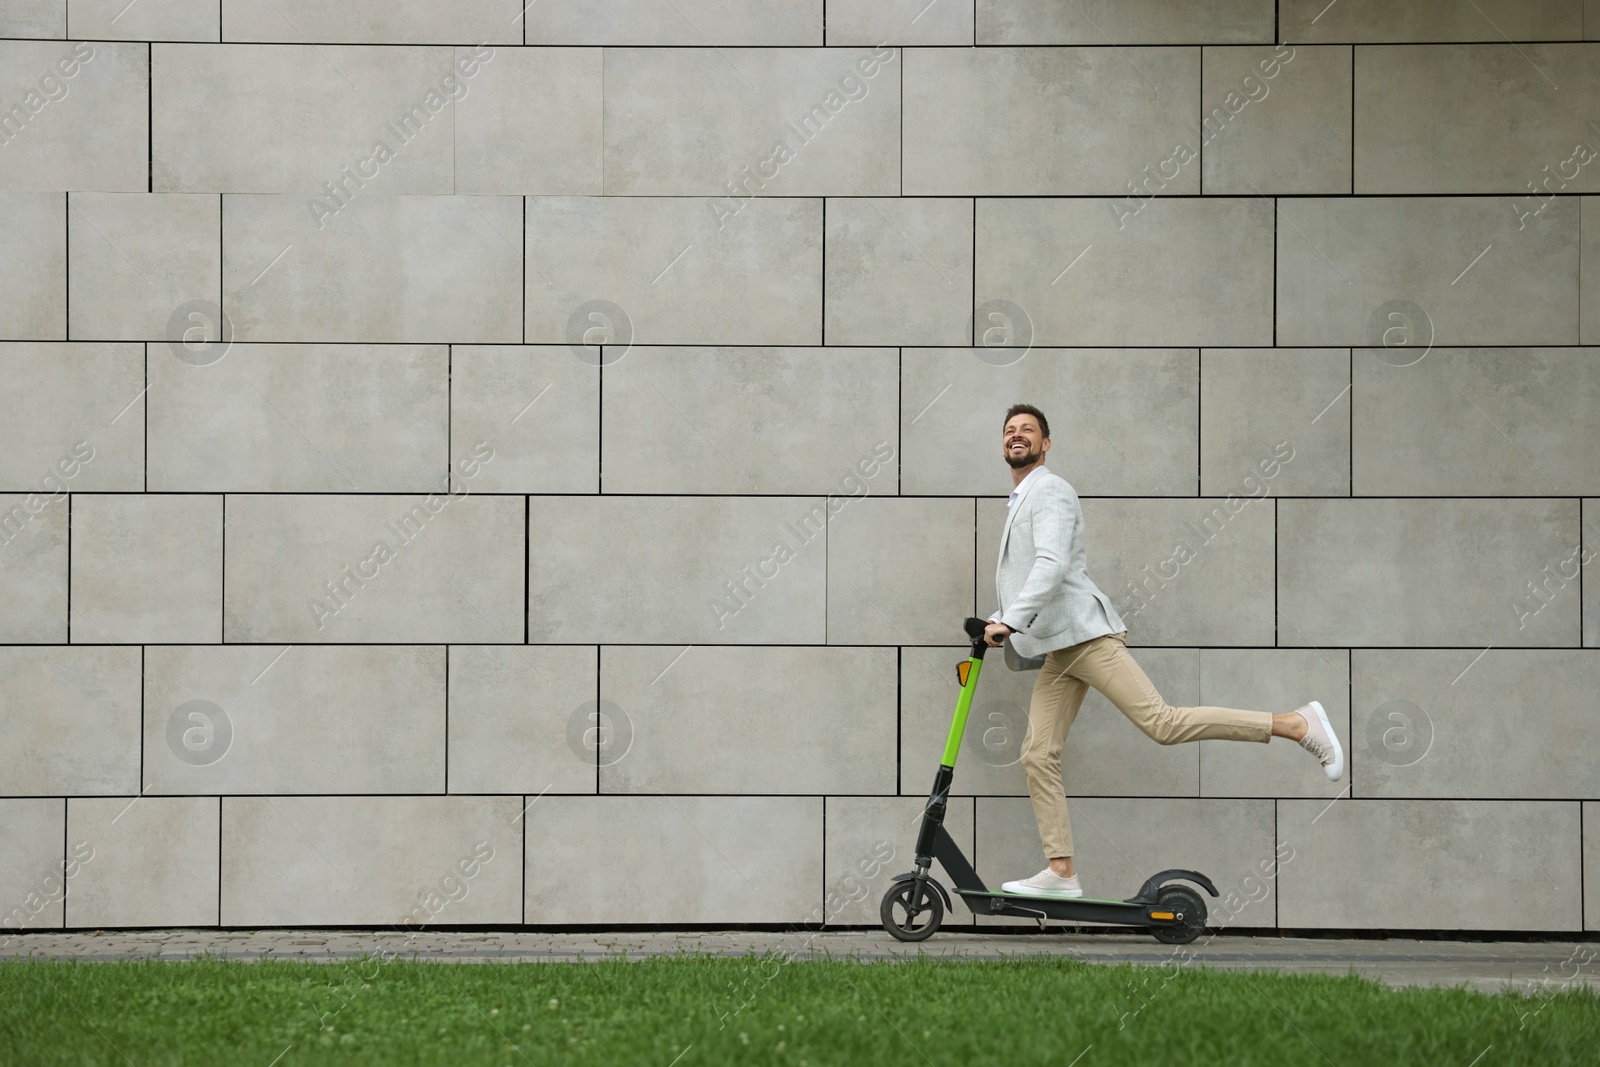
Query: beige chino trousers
[(1105, 663)]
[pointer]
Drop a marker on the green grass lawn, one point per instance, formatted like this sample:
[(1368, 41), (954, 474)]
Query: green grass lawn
[(694, 1010)]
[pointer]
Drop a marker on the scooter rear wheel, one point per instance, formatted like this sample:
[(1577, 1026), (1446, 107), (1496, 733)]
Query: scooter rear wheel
[(908, 920), (1187, 903)]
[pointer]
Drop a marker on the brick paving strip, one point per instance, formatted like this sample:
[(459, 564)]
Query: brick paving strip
[(1491, 966)]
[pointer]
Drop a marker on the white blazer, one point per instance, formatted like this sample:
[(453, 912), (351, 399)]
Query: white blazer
[(1041, 580)]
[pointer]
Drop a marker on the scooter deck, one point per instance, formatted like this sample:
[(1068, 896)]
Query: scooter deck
[(1062, 909), (1029, 898)]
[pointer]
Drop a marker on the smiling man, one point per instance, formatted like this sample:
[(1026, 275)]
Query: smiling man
[(1050, 608)]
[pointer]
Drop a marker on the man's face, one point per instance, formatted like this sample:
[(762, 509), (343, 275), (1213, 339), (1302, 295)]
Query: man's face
[(1023, 442)]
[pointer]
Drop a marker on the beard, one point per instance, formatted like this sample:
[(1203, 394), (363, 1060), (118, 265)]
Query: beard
[(1026, 459)]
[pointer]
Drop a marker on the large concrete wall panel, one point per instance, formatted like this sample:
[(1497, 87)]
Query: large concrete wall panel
[(1122, 422), (750, 421), (154, 861), (74, 116), (1278, 418), (1276, 120), (264, 720), (35, 272), (525, 719), (747, 720), (1476, 422), (349, 568), (688, 122), (677, 22), (33, 873), (1422, 573), (382, 22), (1501, 724), (381, 269), (1407, 272), (146, 568), (898, 271), (301, 418), (707, 570), (1031, 121), (1481, 118), (393, 862), (680, 270), (303, 119), (899, 571), (74, 418), (138, 260), (34, 18), (1135, 273), (530, 121), (536, 407), (1095, 22), (1591, 862), (868, 22), (718, 859), (1396, 864), (33, 568), (1589, 538), (1589, 268), (1368, 21), (71, 721), (151, 20)]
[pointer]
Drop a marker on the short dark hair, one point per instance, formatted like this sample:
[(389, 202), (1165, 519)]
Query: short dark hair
[(1028, 409)]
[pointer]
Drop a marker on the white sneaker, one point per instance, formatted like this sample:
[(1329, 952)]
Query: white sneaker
[(1046, 883), (1321, 741)]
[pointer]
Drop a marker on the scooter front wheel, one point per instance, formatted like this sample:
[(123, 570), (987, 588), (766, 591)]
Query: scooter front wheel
[(909, 919)]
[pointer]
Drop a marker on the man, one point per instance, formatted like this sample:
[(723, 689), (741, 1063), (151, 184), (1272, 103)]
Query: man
[(1049, 607)]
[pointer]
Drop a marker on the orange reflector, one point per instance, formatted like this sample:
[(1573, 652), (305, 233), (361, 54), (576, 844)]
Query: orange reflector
[(1162, 915), (963, 671)]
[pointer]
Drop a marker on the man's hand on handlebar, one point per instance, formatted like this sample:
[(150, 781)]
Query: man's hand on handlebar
[(995, 634)]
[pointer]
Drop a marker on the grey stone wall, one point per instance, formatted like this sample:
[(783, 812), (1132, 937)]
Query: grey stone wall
[(479, 464)]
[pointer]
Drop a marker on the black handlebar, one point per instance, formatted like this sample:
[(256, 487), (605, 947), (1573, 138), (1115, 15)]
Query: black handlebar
[(975, 629)]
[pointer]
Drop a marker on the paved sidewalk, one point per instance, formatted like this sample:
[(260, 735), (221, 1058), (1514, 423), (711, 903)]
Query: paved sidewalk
[(1526, 967)]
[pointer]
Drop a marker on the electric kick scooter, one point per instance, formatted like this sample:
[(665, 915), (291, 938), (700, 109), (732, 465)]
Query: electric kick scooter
[(916, 902)]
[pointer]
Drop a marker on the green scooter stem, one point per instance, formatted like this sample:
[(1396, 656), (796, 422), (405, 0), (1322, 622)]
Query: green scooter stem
[(958, 725), (939, 796)]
